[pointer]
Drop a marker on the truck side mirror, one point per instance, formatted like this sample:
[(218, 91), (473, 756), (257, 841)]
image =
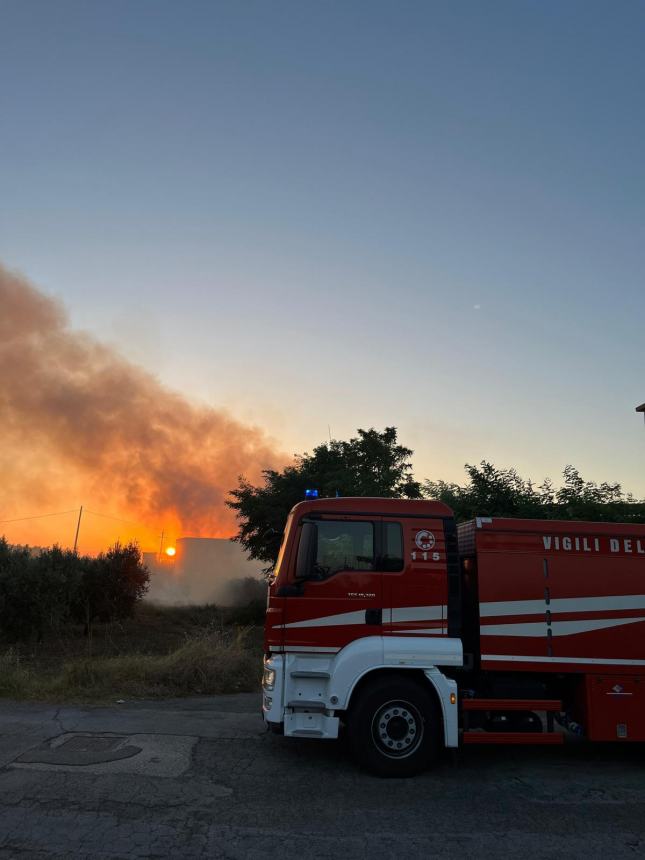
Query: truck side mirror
[(306, 550)]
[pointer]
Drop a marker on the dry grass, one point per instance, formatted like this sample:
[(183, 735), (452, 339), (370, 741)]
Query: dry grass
[(163, 652), (15, 677), (207, 663)]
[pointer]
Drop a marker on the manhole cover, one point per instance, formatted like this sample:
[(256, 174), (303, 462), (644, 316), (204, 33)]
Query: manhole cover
[(81, 750)]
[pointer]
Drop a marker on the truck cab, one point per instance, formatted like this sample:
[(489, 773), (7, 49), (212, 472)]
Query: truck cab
[(363, 588), (355, 567)]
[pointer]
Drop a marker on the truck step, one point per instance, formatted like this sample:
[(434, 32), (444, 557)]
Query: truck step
[(301, 673), (310, 706), (511, 705), (512, 738)]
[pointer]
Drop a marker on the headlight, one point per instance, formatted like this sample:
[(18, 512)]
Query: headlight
[(268, 680)]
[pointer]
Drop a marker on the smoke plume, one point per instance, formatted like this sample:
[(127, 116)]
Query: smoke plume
[(78, 423)]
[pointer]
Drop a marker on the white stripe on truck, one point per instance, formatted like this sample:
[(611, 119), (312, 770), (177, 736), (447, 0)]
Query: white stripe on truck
[(599, 661), (559, 628), (562, 604), (400, 613)]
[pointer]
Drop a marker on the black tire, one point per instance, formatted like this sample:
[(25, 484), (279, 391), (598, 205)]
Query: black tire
[(394, 727)]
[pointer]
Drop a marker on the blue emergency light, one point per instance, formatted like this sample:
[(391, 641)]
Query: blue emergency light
[(311, 494)]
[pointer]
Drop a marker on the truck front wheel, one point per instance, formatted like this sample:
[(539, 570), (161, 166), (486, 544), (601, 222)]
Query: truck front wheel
[(393, 727)]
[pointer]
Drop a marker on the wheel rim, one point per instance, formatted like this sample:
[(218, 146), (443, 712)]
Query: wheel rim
[(397, 729)]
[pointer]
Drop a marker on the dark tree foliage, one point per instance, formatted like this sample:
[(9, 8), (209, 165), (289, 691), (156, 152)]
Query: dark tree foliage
[(370, 464), (504, 493), (112, 584), (41, 592), (19, 612), (56, 584), (36, 591)]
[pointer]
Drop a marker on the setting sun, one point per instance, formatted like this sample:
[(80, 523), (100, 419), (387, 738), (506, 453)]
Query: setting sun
[(170, 551)]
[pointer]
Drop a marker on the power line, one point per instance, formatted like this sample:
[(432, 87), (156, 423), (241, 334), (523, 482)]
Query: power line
[(40, 516), (120, 520), (80, 512)]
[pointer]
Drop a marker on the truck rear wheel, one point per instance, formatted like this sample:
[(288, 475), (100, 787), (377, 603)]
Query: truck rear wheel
[(394, 727)]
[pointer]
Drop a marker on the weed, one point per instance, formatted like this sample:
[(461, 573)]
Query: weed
[(207, 662)]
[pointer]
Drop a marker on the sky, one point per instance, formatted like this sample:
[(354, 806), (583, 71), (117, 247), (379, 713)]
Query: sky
[(325, 216)]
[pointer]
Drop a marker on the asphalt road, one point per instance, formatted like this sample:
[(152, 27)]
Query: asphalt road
[(201, 778)]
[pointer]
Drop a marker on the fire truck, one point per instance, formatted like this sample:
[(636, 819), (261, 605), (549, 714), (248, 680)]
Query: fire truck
[(411, 634)]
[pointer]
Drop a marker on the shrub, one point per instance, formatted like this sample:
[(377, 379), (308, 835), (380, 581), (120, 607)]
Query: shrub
[(42, 592), (111, 585)]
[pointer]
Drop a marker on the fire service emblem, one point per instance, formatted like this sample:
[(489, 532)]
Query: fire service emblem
[(424, 540)]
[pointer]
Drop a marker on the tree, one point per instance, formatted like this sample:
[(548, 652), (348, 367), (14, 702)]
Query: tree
[(370, 464), (504, 493), (585, 500), (112, 584), (18, 611), (43, 591), (36, 591), (489, 492), (56, 578)]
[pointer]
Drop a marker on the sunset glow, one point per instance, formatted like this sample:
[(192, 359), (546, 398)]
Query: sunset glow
[(170, 472), (142, 379), (170, 551)]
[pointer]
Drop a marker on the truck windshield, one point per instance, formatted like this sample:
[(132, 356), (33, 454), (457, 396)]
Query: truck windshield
[(283, 545)]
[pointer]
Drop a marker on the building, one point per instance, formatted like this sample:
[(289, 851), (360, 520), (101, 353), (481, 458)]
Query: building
[(203, 570)]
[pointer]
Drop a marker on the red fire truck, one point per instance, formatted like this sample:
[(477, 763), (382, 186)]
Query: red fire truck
[(415, 634)]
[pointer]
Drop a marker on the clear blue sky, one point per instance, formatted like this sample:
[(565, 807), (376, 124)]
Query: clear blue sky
[(349, 214)]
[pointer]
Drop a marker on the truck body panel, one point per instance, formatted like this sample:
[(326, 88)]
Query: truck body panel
[(559, 596), (500, 619)]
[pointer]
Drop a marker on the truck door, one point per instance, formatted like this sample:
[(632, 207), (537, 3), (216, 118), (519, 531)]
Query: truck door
[(341, 598), (416, 582)]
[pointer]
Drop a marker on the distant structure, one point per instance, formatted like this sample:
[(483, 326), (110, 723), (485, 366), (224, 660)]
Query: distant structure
[(641, 408), (34, 551), (203, 570)]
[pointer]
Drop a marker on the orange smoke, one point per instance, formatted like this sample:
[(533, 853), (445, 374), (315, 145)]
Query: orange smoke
[(81, 425)]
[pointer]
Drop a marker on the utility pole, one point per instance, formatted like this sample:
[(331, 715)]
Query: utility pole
[(78, 527), (161, 545)]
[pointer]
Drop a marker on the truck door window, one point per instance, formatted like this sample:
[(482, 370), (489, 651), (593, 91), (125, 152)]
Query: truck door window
[(393, 547), (343, 545)]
